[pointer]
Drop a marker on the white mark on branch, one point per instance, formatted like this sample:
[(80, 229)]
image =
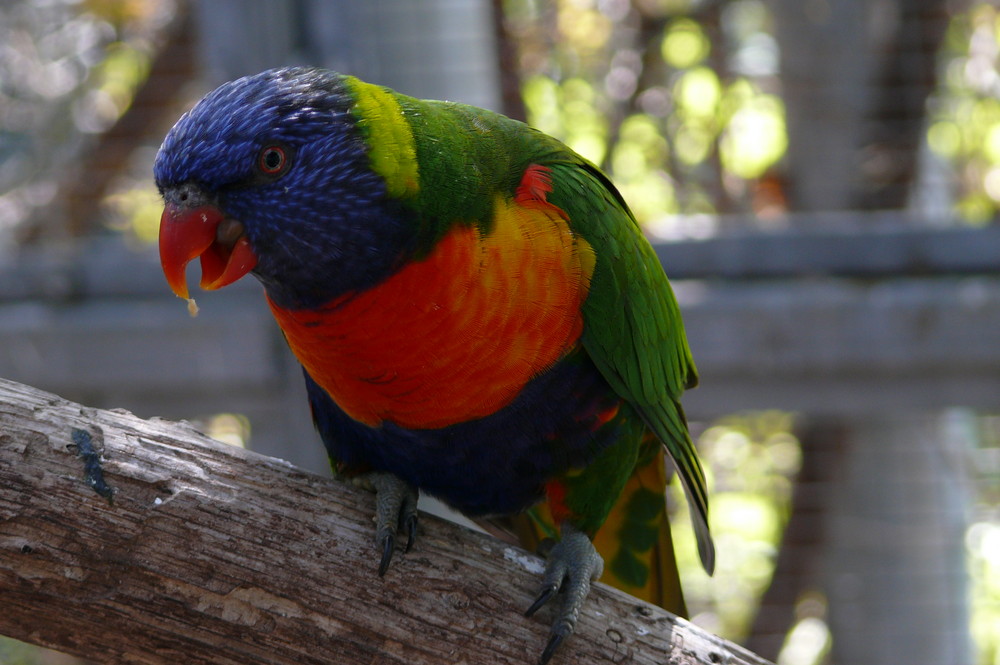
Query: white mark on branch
[(529, 562)]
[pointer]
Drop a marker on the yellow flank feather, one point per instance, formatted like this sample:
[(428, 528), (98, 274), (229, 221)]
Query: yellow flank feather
[(391, 147), (662, 586)]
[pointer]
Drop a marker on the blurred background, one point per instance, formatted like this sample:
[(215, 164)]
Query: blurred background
[(821, 179)]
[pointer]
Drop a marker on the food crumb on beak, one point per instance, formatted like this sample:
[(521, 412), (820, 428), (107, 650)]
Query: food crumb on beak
[(192, 307)]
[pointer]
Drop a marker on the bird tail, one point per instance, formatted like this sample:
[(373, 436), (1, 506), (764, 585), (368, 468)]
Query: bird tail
[(635, 538)]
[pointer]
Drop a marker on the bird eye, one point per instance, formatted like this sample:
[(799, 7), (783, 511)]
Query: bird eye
[(273, 160)]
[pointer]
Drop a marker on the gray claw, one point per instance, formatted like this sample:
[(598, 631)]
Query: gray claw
[(395, 508), (572, 564)]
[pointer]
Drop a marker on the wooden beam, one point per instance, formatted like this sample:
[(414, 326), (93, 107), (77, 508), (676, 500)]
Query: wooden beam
[(858, 246), (129, 540), (843, 347), (836, 246)]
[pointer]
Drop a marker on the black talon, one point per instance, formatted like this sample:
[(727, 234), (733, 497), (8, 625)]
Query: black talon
[(388, 547), (555, 639), (411, 531), (544, 597)]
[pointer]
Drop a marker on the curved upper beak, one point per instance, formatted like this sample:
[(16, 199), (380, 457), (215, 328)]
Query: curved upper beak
[(202, 231)]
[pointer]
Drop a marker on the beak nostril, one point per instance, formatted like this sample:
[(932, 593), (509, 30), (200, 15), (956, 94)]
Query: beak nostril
[(188, 195)]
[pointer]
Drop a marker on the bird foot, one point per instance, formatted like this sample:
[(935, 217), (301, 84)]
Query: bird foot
[(572, 565), (395, 510)]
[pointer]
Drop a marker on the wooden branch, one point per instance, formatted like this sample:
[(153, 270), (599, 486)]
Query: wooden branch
[(125, 540)]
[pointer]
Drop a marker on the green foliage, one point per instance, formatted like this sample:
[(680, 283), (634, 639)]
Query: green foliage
[(674, 105), (684, 44), (983, 542), (137, 210), (69, 70), (755, 135), (965, 118), (982, 539)]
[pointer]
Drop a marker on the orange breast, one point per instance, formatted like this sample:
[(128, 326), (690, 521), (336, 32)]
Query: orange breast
[(457, 335)]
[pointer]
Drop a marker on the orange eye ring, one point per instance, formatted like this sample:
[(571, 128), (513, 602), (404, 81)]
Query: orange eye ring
[(273, 160)]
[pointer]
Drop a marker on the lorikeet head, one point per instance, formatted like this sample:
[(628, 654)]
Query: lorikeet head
[(270, 174)]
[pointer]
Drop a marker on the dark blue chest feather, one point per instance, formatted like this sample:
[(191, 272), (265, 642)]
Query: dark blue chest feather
[(493, 465)]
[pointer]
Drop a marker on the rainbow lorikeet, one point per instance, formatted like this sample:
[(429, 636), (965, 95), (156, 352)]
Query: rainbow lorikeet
[(476, 310)]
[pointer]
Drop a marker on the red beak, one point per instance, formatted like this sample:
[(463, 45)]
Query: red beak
[(203, 231)]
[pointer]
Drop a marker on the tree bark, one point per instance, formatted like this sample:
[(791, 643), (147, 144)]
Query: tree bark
[(125, 540)]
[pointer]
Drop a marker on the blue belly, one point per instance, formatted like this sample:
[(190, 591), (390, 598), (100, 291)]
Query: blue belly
[(493, 465)]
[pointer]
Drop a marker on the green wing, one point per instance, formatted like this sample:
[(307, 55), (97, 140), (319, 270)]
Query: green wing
[(632, 324)]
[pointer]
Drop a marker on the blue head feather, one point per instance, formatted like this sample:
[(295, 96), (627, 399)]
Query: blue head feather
[(325, 227)]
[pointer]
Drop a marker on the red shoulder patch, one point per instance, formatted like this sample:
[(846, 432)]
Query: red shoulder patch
[(535, 186)]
